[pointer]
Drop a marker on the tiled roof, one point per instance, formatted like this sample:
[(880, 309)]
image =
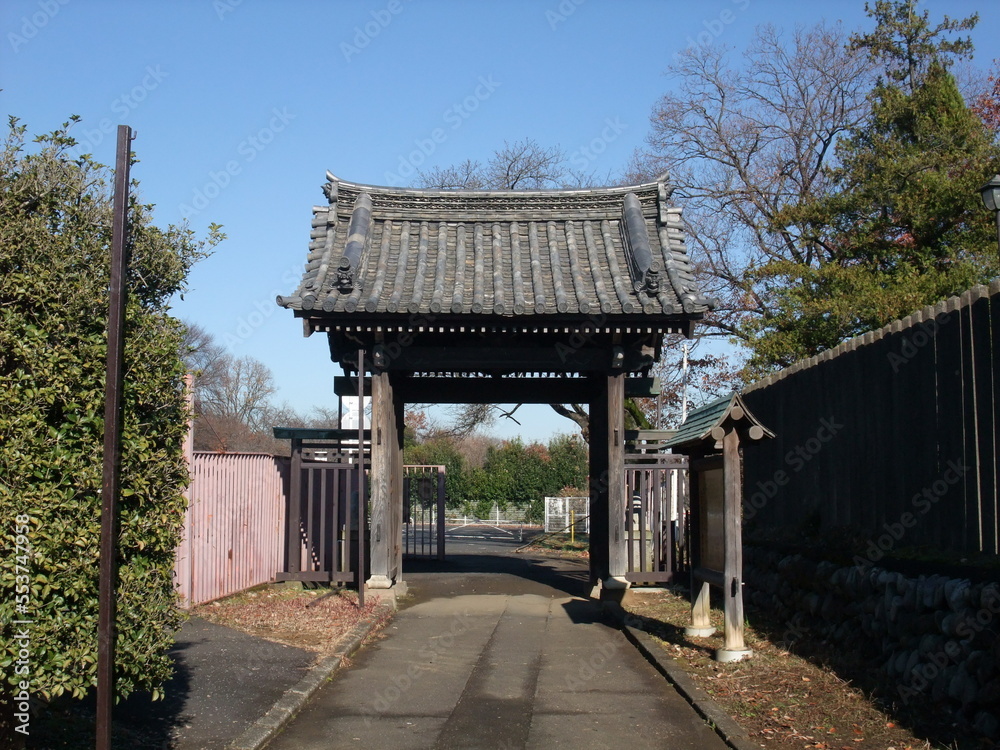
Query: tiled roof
[(386, 251), (699, 424)]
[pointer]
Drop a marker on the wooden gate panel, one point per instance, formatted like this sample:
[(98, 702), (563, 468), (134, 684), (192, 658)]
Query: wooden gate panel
[(321, 529), (323, 513), (655, 485)]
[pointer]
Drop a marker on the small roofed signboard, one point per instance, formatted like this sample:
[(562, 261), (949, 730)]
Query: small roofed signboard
[(711, 438)]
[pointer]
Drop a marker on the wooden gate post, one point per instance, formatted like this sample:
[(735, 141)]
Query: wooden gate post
[(599, 482), (383, 445), (440, 506), (617, 502), (734, 648), (397, 481), (293, 512)]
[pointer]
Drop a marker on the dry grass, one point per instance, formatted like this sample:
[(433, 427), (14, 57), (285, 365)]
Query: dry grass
[(782, 700), (312, 619), (559, 545)]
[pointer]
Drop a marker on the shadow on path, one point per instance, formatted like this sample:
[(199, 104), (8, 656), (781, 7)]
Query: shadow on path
[(224, 680), (471, 565)]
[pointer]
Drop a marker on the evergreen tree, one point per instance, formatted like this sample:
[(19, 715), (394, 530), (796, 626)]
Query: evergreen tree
[(55, 233), (904, 226)]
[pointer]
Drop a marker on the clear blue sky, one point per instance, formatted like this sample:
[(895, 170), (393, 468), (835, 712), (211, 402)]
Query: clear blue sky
[(240, 107)]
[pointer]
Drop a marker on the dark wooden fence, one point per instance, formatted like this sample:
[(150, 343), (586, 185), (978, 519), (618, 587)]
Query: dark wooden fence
[(890, 437), (324, 516)]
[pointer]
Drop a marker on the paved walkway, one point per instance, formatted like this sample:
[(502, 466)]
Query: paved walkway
[(498, 660)]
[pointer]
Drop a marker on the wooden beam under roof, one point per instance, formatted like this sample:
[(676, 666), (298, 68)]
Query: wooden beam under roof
[(486, 390)]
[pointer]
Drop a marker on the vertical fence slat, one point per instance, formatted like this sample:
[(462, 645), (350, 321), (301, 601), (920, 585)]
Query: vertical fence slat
[(913, 459), (985, 365), (233, 532)]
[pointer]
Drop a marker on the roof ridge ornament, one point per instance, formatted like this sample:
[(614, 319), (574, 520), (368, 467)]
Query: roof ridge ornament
[(357, 237), (330, 190), (645, 269)]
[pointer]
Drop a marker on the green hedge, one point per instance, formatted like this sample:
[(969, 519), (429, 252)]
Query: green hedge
[(55, 228)]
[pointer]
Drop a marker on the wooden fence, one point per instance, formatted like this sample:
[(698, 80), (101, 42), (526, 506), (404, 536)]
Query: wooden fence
[(234, 533), (890, 437)]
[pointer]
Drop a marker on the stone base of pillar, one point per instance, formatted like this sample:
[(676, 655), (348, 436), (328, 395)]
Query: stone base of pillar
[(616, 582), (693, 632), (388, 596), (379, 582), (726, 655), (611, 590)]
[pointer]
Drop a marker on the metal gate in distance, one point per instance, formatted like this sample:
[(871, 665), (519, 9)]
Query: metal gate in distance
[(423, 511)]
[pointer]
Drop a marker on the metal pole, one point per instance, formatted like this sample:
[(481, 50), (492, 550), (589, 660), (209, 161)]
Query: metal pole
[(659, 410), (362, 500), (684, 383), (112, 445), (997, 214)]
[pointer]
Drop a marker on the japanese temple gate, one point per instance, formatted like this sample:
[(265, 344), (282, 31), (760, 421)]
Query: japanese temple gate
[(458, 296)]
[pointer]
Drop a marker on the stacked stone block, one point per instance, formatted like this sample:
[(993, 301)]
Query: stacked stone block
[(934, 637)]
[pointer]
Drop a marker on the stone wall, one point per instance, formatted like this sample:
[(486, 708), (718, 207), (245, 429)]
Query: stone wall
[(935, 638)]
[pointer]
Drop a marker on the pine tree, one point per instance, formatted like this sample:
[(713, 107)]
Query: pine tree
[(904, 226)]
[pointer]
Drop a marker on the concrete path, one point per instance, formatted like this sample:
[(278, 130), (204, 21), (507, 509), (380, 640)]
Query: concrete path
[(498, 660), (208, 702)]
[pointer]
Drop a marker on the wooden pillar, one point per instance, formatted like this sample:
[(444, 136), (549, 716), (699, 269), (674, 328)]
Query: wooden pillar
[(293, 512), (599, 482), (617, 502), (397, 482), (734, 648), (701, 597), (383, 448)]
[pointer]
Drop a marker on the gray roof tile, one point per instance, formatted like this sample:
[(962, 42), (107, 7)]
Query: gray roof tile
[(614, 251)]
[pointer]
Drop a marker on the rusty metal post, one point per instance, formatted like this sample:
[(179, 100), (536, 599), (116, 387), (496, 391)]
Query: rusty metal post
[(362, 500), (112, 446), (441, 507)]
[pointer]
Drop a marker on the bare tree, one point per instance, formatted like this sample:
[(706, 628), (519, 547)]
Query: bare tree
[(242, 392), (740, 144), (519, 165), (525, 165), (234, 410), (202, 354), (576, 412), (986, 101), (469, 175), (708, 375)]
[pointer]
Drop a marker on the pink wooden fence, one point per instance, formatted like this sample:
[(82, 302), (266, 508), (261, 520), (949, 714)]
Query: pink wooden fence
[(234, 532)]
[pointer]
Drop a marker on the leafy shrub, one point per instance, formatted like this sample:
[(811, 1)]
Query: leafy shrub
[(55, 230)]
